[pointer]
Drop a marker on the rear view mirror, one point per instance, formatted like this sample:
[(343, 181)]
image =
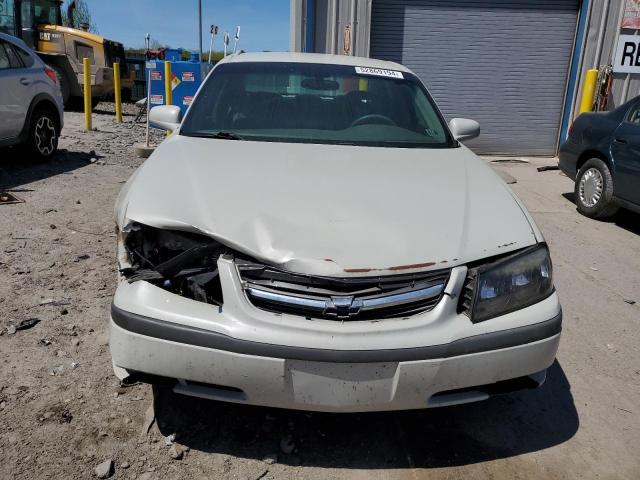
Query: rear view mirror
[(464, 129), (165, 117)]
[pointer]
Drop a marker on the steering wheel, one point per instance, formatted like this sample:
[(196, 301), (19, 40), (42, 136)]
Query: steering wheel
[(372, 118)]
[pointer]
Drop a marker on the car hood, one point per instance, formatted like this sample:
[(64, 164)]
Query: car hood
[(330, 209)]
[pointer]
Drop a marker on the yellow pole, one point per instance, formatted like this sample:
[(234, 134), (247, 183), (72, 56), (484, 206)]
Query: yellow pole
[(167, 83), (168, 94), (86, 65), (118, 94), (589, 90)]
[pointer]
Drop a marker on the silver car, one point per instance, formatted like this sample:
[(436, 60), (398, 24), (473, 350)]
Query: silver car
[(314, 236), (31, 111)]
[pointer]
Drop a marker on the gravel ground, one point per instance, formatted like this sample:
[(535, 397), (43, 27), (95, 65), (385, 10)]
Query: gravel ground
[(63, 413)]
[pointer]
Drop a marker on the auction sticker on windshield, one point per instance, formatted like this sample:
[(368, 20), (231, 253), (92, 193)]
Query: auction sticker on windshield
[(379, 72)]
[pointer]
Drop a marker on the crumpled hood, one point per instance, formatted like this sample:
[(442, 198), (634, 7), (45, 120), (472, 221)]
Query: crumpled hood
[(330, 209)]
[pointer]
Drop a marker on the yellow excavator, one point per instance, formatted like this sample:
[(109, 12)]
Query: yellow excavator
[(63, 47)]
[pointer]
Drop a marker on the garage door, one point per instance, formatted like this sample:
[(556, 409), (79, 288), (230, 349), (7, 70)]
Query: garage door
[(502, 63)]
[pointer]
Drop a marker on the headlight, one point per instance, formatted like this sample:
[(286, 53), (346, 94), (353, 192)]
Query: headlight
[(181, 262), (508, 284)]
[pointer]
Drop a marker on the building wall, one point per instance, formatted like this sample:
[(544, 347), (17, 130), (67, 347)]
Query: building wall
[(331, 18), (599, 48), (296, 25), (596, 49)]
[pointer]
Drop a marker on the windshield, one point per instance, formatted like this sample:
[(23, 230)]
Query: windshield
[(316, 103), (47, 12)]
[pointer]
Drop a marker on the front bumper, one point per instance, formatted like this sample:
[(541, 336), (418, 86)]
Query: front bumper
[(242, 354)]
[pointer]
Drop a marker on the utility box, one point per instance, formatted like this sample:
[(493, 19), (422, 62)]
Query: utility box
[(186, 78), (173, 54)]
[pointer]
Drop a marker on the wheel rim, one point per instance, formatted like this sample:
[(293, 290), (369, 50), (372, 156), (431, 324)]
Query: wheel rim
[(590, 187), (45, 135)]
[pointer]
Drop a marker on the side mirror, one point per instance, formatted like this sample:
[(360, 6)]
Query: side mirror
[(464, 129), (165, 117)]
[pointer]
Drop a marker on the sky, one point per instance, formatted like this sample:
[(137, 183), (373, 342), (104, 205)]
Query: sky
[(264, 23)]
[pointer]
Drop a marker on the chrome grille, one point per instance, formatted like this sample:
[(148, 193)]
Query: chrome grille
[(345, 299)]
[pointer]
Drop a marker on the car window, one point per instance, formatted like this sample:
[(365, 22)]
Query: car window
[(27, 60), (4, 58), (14, 60), (634, 115), (317, 103)]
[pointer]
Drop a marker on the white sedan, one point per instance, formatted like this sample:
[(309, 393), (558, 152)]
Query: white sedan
[(314, 236)]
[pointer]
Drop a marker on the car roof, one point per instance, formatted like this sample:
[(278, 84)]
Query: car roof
[(324, 58), (624, 108)]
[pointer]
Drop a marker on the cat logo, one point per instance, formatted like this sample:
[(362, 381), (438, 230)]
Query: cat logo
[(48, 36)]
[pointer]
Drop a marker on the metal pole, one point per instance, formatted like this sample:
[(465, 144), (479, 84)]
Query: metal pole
[(603, 25), (86, 64), (589, 90), (237, 39), (353, 29), (148, 43), (117, 93), (211, 45), (148, 103), (168, 93), (200, 28), (576, 91), (334, 26)]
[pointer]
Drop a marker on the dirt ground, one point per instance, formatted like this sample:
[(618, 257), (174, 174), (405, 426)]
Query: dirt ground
[(62, 412)]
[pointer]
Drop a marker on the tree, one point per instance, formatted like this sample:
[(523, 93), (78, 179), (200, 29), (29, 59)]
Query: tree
[(81, 14)]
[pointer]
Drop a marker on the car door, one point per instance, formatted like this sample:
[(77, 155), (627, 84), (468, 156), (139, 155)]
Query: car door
[(15, 94), (625, 150), (7, 107)]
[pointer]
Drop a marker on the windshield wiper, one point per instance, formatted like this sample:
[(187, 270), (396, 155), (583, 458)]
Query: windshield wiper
[(222, 135), (226, 136)]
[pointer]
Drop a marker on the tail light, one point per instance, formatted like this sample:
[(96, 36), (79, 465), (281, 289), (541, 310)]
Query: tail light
[(51, 73)]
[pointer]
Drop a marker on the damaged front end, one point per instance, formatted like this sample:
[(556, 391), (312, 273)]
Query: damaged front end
[(180, 262), (186, 264)]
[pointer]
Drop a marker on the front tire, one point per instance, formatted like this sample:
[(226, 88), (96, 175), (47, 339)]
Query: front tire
[(594, 190), (44, 132)]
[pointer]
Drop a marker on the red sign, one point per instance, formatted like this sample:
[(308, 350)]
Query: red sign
[(156, 75), (187, 100), (188, 77), (631, 17)]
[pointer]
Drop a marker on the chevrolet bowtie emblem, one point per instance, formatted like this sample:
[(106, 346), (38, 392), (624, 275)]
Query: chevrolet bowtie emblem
[(342, 307)]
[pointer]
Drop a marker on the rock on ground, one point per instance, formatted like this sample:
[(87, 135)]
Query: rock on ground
[(104, 470)]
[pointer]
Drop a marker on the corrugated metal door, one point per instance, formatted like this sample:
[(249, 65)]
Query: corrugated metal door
[(503, 63)]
